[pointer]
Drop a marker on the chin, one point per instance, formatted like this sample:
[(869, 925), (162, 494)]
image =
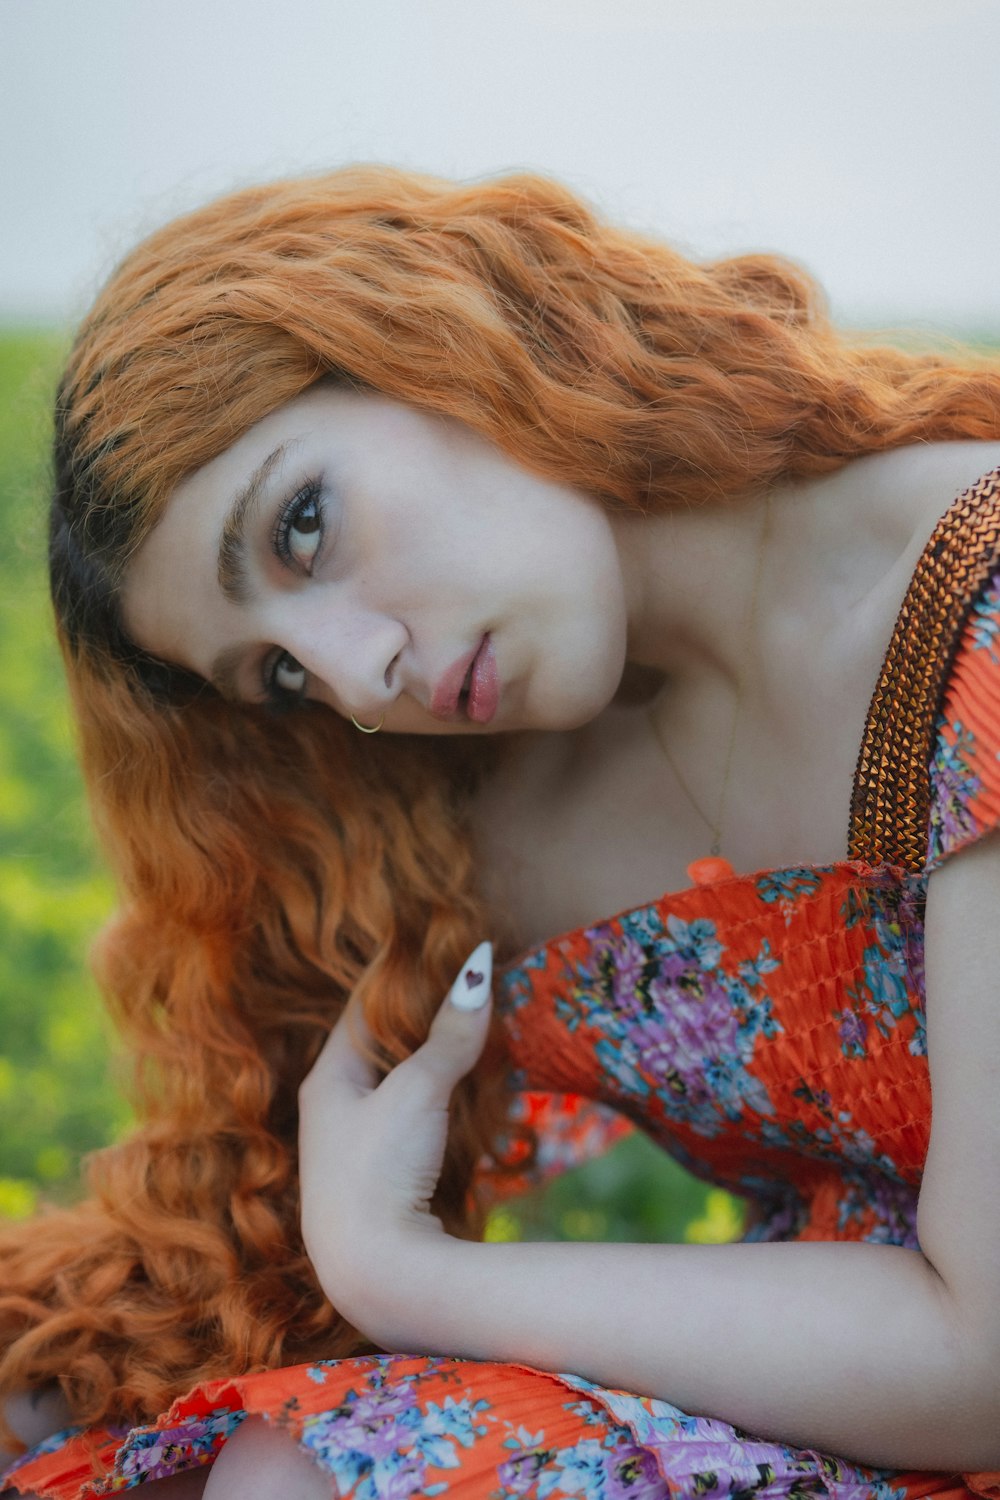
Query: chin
[(566, 711)]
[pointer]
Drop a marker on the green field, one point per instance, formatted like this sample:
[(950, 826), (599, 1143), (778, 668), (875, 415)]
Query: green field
[(57, 1095)]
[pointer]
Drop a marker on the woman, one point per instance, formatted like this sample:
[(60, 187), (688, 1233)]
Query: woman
[(606, 556)]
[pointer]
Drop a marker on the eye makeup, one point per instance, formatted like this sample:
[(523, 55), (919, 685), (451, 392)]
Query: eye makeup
[(281, 695), (296, 539), (300, 527)]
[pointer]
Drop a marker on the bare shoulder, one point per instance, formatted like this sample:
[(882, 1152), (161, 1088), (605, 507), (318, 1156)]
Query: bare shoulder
[(918, 482)]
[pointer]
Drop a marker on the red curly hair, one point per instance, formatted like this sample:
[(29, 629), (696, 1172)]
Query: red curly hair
[(268, 866)]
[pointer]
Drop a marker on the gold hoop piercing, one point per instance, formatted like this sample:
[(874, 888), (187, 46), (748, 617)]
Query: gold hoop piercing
[(364, 727)]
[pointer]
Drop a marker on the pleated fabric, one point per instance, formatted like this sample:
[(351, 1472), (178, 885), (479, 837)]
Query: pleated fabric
[(392, 1427)]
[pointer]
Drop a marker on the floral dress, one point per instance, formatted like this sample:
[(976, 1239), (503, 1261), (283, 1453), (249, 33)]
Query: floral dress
[(768, 1031)]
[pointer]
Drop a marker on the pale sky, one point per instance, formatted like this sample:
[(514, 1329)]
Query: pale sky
[(860, 137)]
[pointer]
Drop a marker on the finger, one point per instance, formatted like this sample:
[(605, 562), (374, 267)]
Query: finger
[(346, 1059), (471, 989), (459, 1030)]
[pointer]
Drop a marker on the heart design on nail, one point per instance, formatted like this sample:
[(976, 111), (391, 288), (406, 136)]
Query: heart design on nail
[(472, 978)]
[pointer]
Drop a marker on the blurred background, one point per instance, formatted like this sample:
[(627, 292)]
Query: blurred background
[(857, 136)]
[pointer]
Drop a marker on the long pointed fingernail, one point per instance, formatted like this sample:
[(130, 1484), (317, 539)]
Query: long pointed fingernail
[(471, 989)]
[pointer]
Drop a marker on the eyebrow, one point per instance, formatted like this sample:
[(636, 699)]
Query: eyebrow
[(231, 567), (232, 563)]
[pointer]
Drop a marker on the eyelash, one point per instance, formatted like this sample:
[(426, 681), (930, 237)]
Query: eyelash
[(276, 698), (290, 512), (279, 700)]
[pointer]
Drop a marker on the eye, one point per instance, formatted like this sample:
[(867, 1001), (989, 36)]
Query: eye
[(298, 532), (284, 681)]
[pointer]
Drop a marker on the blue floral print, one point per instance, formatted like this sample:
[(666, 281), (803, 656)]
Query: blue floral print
[(955, 785), (986, 621)]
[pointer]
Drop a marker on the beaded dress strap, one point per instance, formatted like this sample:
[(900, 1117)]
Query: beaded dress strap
[(890, 805)]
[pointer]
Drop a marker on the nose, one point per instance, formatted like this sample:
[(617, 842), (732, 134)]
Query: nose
[(350, 652)]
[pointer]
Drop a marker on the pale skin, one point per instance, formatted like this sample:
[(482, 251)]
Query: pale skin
[(884, 1355)]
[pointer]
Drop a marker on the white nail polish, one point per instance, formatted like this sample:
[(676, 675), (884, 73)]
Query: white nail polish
[(471, 989)]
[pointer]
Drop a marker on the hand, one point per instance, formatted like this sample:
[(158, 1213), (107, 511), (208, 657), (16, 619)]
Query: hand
[(370, 1152)]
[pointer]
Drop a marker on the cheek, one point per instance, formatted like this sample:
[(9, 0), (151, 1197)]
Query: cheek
[(581, 662)]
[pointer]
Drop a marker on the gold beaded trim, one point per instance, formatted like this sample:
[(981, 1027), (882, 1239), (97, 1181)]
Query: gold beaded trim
[(891, 802)]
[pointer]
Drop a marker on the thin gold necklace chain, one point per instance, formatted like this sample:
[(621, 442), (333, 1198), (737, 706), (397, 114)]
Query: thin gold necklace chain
[(715, 827)]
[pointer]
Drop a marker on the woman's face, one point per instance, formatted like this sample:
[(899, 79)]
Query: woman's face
[(388, 563)]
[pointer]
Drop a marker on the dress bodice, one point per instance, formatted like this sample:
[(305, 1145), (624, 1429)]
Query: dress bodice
[(768, 1029)]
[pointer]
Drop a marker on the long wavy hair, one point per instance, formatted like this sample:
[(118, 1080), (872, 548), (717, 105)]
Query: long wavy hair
[(269, 866)]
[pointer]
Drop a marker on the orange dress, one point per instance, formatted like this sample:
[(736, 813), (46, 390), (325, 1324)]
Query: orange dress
[(766, 1029)]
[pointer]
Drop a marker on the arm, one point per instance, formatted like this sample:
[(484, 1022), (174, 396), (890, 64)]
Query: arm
[(881, 1354)]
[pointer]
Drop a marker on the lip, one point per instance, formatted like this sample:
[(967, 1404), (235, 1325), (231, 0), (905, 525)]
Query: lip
[(444, 703), (484, 686), (479, 668)]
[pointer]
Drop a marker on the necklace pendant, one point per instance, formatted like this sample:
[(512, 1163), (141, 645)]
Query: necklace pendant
[(709, 870)]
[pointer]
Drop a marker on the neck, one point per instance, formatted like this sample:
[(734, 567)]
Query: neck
[(689, 574), (689, 577)]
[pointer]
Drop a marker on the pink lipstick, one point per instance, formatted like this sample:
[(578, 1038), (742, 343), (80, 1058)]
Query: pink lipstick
[(484, 684), (445, 701), (470, 687)]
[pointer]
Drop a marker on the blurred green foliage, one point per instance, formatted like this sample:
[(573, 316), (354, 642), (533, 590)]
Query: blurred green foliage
[(636, 1192), (57, 1097)]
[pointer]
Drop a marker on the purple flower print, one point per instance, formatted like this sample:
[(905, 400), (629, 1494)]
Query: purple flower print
[(695, 1010), (633, 1474), (378, 1424), (369, 1475), (674, 1022), (912, 905), (156, 1455), (894, 1205), (852, 1028), (953, 786), (520, 1474), (380, 1444), (627, 961), (845, 1482), (156, 1459), (781, 1218)]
